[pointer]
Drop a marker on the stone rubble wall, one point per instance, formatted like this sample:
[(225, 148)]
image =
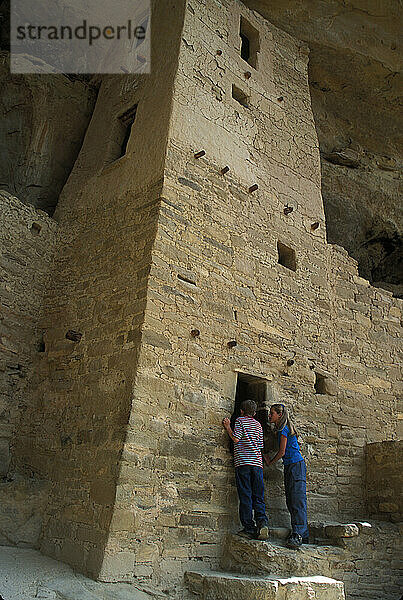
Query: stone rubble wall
[(368, 324), (370, 565), (27, 240), (384, 480)]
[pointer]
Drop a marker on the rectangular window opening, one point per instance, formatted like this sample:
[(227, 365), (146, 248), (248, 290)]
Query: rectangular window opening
[(250, 44), (240, 96), (287, 256), (320, 384)]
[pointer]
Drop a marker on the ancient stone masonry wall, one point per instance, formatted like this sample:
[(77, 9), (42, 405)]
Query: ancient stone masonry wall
[(384, 479), (107, 216), (85, 381), (215, 269), (216, 278), (27, 240), (363, 556), (192, 263), (368, 324), (355, 78)]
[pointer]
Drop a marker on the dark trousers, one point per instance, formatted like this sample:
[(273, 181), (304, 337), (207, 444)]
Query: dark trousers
[(295, 496), (250, 486)]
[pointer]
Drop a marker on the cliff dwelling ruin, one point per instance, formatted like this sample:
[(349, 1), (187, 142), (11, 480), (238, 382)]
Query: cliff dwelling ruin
[(228, 225)]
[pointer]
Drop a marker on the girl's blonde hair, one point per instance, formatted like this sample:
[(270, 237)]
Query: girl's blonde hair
[(284, 419)]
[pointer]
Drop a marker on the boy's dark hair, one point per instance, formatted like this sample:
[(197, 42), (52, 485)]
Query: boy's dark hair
[(249, 407)]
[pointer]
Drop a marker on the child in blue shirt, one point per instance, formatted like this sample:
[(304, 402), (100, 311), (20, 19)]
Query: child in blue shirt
[(294, 474)]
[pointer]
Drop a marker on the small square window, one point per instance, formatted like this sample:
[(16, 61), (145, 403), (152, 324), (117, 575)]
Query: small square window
[(240, 96), (320, 384), (250, 44), (286, 256)]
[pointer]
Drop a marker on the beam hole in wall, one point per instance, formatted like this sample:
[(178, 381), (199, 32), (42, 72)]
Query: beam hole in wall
[(240, 96), (250, 44), (286, 256), (320, 384), (122, 133), (35, 229), (186, 279)]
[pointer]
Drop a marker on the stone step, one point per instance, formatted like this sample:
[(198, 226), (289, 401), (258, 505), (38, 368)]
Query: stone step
[(230, 586), (272, 558)]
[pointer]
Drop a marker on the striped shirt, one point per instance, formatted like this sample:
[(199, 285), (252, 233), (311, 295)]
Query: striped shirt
[(247, 451)]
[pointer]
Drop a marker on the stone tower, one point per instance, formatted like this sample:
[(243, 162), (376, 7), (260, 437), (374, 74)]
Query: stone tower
[(192, 270)]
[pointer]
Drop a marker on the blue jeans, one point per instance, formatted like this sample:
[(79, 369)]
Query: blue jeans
[(295, 496), (250, 486)]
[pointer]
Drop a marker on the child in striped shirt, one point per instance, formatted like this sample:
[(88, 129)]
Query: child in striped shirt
[(248, 447)]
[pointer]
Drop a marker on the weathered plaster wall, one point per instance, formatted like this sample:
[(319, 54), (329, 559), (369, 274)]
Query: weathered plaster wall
[(82, 390)]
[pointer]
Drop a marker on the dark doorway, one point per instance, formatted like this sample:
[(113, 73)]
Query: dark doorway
[(249, 387)]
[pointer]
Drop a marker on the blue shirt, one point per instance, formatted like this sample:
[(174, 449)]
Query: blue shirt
[(292, 451)]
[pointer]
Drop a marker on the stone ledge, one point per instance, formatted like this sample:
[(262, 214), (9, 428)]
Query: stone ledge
[(272, 558), (335, 531), (231, 586)]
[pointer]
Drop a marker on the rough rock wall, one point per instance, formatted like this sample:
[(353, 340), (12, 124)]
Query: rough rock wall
[(43, 120), (355, 82), (82, 388)]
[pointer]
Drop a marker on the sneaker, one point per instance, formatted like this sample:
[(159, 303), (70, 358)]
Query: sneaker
[(246, 534), (263, 533), (294, 541)]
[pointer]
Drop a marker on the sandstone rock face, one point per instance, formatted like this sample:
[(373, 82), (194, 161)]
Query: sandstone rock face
[(43, 121), (355, 77)]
